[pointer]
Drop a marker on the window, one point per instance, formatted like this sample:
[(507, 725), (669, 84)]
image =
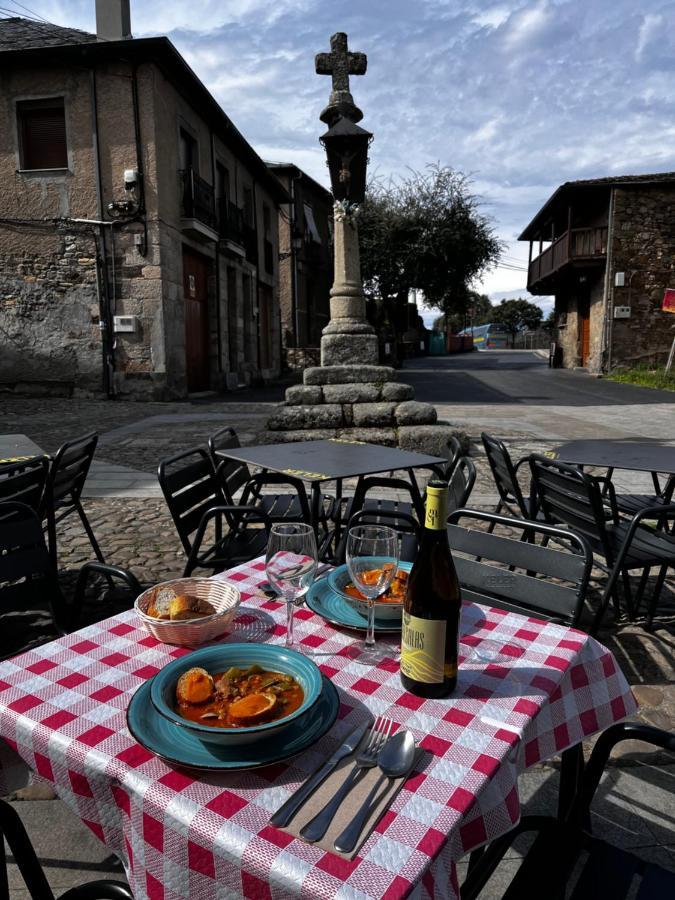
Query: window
[(188, 152), (310, 225), (222, 182), (42, 134), (267, 221)]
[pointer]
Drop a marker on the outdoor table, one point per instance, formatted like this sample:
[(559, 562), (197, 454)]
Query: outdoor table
[(637, 456), (16, 448), (333, 459), (527, 690)]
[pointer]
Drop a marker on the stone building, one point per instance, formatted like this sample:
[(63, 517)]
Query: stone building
[(605, 248), (138, 228), (305, 263)]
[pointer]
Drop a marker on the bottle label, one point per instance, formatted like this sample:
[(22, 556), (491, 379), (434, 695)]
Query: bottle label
[(423, 649), (437, 505)]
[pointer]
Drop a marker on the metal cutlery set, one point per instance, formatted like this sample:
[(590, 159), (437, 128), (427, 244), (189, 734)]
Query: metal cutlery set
[(393, 754)]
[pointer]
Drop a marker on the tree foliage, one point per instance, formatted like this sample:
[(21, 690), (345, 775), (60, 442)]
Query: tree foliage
[(517, 315), (425, 231)]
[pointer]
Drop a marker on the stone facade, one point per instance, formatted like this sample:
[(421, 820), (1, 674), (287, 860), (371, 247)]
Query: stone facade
[(601, 228), (305, 261), (62, 282)]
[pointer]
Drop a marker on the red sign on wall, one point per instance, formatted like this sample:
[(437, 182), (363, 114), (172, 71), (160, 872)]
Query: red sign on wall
[(669, 300)]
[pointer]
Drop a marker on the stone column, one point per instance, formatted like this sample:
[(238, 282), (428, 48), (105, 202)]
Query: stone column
[(348, 339)]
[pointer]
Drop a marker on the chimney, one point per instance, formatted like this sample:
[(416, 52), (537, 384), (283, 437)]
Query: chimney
[(113, 20)]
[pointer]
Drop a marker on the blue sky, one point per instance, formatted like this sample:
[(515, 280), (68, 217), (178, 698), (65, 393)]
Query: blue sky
[(522, 95)]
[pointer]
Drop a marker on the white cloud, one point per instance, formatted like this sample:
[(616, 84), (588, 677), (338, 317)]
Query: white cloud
[(650, 30)]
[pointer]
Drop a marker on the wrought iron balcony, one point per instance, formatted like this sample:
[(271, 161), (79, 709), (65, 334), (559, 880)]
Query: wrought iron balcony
[(230, 222), (251, 244), (574, 246), (198, 200)]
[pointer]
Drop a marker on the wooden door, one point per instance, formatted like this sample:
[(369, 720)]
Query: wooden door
[(265, 301), (584, 329), (195, 292)]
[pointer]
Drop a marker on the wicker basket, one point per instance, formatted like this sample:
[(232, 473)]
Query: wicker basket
[(224, 597)]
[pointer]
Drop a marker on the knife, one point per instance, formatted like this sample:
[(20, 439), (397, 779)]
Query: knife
[(284, 814)]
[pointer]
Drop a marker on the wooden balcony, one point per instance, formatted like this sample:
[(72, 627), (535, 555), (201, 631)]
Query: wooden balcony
[(574, 246)]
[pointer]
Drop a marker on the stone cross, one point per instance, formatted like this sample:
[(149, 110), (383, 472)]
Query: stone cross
[(340, 63)]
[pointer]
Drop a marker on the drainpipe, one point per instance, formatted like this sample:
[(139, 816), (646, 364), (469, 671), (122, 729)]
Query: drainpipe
[(608, 294), (102, 283), (219, 336)]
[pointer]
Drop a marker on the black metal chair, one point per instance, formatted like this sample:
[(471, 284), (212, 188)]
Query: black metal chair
[(193, 491), (505, 475), (566, 495), (461, 483), (630, 504), (65, 482), (14, 832), (566, 860), (24, 482), (406, 525), (552, 582)]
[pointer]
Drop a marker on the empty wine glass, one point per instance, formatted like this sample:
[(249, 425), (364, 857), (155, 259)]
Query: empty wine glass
[(290, 565), (372, 560)]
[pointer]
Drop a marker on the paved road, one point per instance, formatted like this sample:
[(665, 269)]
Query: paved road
[(515, 376), (515, 393)]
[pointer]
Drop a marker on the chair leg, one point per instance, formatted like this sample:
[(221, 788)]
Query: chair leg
[(51, 539), (571, 770), (90, 533), (628, 595), (609, 595), (641, 589), (24, 855), (654, 599)]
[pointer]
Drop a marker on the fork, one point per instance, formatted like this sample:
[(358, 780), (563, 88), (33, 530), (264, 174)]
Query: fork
[(315, 829)]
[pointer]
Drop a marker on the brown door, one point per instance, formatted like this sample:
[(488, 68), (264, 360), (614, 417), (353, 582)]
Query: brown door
[(195, 291), (584, 329)]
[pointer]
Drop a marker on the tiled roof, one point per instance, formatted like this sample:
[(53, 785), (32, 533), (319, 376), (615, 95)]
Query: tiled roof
[(25, 34), (622, 179)]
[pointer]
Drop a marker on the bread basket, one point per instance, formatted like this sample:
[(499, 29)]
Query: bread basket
[(224, 598)]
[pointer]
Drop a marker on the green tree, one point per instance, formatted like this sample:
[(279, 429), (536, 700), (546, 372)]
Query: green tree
[(425, 231), (517, 315)]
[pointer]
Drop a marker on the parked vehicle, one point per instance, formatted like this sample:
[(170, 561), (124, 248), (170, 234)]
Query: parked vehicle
[(488, 337)]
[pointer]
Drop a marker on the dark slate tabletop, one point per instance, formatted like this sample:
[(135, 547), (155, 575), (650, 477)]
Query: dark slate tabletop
[(639, 456), (18, 447), (328, 460)]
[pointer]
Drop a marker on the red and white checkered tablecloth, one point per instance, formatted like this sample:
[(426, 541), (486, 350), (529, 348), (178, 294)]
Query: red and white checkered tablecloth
[(527, 690)]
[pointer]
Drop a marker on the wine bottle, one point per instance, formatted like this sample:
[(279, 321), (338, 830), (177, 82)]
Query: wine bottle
[(430, 632)]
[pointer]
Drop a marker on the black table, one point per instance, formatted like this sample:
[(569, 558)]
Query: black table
[(16, 448), (636, 456), (330, 460)]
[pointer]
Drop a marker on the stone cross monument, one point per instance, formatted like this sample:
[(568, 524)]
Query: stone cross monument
[(350, 396)]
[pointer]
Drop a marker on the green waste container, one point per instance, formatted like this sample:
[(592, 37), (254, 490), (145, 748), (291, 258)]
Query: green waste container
[(437, 344)]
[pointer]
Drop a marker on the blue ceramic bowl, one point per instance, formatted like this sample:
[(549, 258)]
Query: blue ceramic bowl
[(339, 578), (272, 657)]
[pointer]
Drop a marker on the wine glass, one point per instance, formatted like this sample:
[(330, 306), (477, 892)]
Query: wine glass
[(290, 565), (372, 549)]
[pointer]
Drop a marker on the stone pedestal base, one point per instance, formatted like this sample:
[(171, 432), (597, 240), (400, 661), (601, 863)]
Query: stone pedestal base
[(342, 349)]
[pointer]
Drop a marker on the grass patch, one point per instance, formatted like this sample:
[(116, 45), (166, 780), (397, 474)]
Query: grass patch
[(645, 377)]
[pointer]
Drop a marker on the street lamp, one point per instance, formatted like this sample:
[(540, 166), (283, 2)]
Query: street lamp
[(346, 145)]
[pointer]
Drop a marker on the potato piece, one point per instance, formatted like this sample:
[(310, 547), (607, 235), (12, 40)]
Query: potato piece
[(252, 709), (194, 686)]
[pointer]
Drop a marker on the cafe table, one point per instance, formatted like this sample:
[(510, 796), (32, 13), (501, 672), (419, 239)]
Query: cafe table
[(527, 690), (332, 459), (16, 448), (634, 456)]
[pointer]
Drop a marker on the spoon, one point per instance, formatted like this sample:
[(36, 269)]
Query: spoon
[(395, 760)]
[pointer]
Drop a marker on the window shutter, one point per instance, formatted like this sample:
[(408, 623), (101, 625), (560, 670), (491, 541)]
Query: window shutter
[(43, 136)]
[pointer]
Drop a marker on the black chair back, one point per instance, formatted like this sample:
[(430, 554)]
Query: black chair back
[(23, 550), (69, 469), (406, 525), (24, 482), (517, 574), (371, 483), (461, 483), (191, 487), (504, 473), (234, 475), (566, 495)]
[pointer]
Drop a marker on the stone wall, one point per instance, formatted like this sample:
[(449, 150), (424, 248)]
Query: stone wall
[(643, 247)]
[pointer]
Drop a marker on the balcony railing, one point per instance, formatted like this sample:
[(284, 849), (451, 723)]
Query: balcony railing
[(575, 244), (230, 222), (198, 199), (251, 244)]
